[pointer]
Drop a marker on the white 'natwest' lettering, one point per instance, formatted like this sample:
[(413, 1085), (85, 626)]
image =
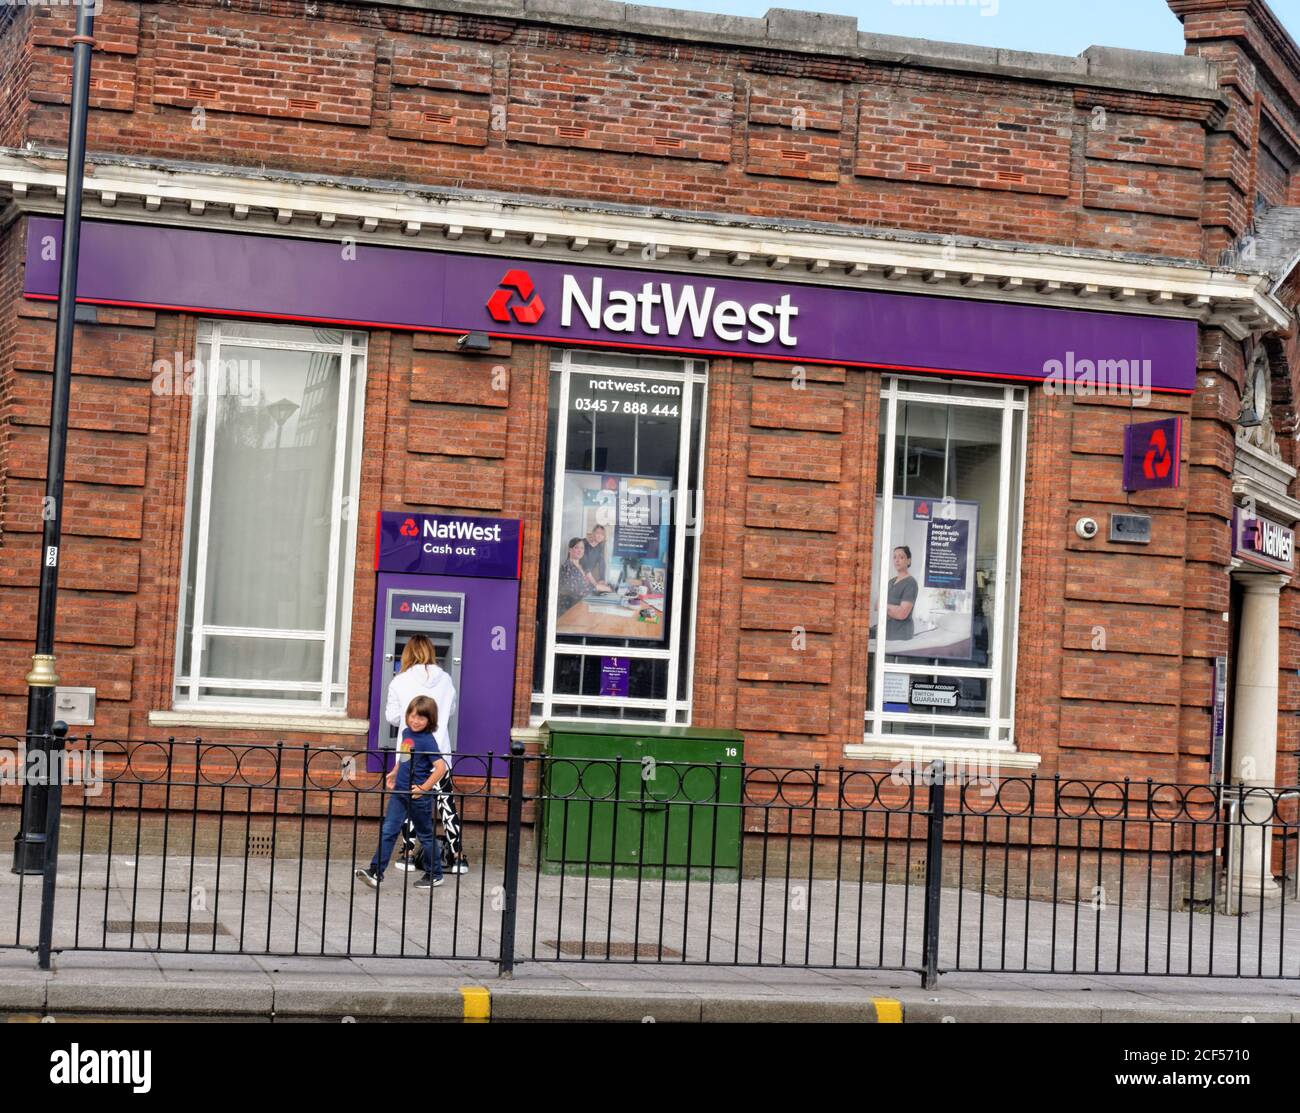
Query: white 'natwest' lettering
[(684, 308)]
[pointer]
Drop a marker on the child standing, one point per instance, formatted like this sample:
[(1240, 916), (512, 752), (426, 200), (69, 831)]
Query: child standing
[(420, 766)]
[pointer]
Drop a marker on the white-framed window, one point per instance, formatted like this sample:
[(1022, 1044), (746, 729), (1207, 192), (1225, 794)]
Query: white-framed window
[(946, 563), (270, 523), (615, 629)]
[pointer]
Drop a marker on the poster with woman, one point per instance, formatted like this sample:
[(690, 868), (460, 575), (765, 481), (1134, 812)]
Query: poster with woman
[(929, 578), (613, 556)]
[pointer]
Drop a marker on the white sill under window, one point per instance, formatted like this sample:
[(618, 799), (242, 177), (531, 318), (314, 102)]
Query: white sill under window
[(213, 718), (972, 754)]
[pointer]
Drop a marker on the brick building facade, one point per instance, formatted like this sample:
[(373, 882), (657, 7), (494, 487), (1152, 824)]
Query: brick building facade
[(790, 152)]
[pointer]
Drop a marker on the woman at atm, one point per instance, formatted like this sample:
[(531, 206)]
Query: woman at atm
[(421, 676)]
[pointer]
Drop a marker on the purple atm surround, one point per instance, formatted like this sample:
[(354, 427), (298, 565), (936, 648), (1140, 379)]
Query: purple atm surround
[(479, 558)]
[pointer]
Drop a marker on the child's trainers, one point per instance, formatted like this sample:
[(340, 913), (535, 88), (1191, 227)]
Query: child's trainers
[(368, 876), (404, 862), (428, 882), (460, 865)]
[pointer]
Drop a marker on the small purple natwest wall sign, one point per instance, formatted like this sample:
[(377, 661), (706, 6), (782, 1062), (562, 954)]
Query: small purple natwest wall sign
[(449, 545), (1153, 454)]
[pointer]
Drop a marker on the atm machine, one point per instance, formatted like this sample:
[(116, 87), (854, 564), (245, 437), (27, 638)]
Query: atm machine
[(454, 579), (438, 616)]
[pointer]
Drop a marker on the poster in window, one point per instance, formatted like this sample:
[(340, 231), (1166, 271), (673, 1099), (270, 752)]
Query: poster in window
[(613, 556), (929, 578)]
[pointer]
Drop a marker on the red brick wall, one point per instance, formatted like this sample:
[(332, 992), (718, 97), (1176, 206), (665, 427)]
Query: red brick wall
[(494, 103), (15, 74), (434, 98)]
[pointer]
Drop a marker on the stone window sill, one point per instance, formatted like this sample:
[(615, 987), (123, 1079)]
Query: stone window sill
[(281, 723), (966, 756)]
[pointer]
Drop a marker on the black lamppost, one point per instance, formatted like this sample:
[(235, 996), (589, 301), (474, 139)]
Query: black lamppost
[(29, 843)]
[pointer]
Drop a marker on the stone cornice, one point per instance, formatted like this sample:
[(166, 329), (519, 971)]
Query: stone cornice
[(837, 36), (236, 199)]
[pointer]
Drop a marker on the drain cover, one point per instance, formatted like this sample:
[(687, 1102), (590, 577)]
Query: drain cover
[(163, 927), (594, 949)]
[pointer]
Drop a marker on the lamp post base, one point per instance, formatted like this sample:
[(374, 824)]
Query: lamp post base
[(29, 853)]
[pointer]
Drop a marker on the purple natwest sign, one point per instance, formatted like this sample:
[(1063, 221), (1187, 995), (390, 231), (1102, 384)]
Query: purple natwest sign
[(431, 608), (1259, 541), (1153, 454), (449, 545), (644, 309)]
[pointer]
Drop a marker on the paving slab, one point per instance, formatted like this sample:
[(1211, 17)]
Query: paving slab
[(103, 960), (205, 964)]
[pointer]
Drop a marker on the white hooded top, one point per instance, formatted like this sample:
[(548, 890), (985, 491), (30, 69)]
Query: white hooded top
[(423, 680)]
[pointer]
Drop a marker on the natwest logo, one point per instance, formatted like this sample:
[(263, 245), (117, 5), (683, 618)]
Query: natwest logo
[(1157, 461), (665, 308), (517, 283), (1269, 539)]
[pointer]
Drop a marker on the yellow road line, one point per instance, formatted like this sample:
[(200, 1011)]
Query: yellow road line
[(888, 1011), (478, 1003)]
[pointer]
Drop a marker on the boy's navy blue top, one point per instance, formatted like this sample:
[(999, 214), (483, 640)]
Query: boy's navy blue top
[(416, 755)]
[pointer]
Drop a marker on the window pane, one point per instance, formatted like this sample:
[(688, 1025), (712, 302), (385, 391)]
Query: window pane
[(1012, 589), (688, 507), (343, 619), (622, 489), (575, 675), (225, 695), (950, 389), (582, 358), (937, 576), (271, 497), (965, 696), (265, 498), (289, 334), (921, 730), (944, 522), (226, 657), (616, 551), (198, 444)]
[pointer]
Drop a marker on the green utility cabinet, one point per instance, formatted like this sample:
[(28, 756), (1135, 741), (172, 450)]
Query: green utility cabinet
[(642, 800)]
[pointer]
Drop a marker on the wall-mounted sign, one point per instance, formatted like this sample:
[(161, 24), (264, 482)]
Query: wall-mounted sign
[(661, 308), (1152, 454), (1261, 542), (1131, 529), (449, 545)]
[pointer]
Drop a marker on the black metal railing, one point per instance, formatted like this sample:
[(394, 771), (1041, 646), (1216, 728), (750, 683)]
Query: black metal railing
[(208, 847)]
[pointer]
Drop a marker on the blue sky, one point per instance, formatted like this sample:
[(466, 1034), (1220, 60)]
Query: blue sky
[(1053, 26)]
